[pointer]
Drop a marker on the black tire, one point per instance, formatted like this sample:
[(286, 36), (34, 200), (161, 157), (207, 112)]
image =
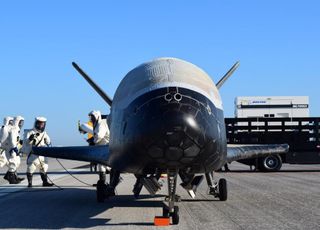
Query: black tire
[(223, 190), (100, 191), (271, 163), (165, 212), (175, 216)]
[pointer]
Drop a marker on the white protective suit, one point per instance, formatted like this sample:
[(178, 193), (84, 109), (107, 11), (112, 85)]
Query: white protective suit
[(40, 139), (11, 144), (101, 133), (4, 132), (5, 129)]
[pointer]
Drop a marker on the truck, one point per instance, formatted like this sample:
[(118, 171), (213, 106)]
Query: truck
[(302, 134)]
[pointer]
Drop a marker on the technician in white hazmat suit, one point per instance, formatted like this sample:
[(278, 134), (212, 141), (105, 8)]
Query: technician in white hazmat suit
[(101, 135), (37, 137), (7, 122), (10, 145)]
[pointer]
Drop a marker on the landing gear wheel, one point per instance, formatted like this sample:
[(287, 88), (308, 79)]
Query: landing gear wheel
[(175, 215), (165, 212), (101, 186), (223, 191)]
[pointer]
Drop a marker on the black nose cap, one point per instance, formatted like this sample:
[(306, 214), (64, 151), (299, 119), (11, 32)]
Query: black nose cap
[(179, 143)]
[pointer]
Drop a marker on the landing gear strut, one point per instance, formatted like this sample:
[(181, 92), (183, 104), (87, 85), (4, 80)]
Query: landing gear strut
[(171, 210), (219, 189)]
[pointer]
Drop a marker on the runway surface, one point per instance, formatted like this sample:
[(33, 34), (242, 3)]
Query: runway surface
[(289, 199)]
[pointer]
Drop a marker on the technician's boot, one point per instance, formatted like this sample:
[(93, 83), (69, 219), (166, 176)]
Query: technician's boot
[(12, 178), (29, 177), (6, 176), (19, 178), (44, 179)]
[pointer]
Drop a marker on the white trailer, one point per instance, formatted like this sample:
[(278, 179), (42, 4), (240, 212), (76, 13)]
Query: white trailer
[(272, 106)]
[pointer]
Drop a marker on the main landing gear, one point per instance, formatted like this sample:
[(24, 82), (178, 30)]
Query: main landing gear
[(219, 189)]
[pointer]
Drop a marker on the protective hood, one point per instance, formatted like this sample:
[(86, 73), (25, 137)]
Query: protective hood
[(97, 116), (40, 124), (18, 122), (6, 120)]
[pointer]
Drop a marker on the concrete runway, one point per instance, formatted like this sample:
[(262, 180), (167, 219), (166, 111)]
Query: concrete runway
[(289, 199)]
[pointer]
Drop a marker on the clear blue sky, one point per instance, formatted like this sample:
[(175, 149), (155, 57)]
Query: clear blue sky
[(277, 43)]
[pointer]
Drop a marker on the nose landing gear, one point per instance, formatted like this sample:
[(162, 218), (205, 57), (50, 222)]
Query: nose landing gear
[(170, 211)]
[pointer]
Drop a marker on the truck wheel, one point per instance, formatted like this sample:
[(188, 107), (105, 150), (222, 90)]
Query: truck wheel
[(270, 163)]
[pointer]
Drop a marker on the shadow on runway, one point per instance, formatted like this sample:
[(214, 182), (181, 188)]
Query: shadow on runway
[(281, 171), (199, 200), (87, 172), (67, 208), (57, 173)]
